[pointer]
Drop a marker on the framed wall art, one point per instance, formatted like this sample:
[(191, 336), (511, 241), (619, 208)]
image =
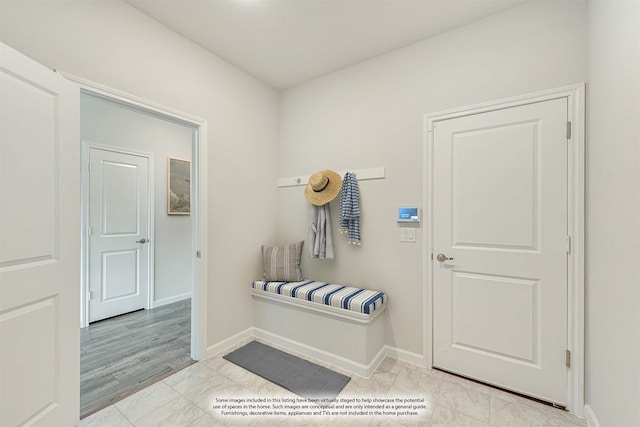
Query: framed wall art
[(179, 186)]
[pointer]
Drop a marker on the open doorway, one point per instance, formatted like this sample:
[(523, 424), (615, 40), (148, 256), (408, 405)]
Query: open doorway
[(141, 294)]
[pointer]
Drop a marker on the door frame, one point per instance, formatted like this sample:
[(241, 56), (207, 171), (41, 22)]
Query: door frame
[(199, 203), (575, 95), (86, 244)]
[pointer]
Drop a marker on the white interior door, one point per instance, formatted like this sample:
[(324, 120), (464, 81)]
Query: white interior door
[(500, 233), (119, 240), (39, 244)]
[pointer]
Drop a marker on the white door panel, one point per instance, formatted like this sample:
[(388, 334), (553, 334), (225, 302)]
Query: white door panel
[(507, 328), (39, 244), (507, 153), (500, 213), (119, 198), (119, 217)]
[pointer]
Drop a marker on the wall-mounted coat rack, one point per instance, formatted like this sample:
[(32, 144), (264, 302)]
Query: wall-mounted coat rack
[(361, 174)]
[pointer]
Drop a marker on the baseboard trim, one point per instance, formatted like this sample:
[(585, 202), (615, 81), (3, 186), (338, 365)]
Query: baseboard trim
[(590, 416), (348, 365), (287, 344), (406, 356), (230, 342), (176, 298)]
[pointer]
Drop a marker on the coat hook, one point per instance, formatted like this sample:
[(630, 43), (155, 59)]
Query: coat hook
[(298, 181)]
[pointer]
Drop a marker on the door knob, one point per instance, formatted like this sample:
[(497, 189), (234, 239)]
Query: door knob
[(143, 240), (443, 258)]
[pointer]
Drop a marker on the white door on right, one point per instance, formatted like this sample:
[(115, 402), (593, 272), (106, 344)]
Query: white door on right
[(500, 248)]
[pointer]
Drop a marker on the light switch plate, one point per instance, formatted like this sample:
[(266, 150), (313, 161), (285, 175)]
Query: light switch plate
[(408, 235)]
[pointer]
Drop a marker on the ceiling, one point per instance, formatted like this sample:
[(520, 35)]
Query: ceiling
[(287, 42)]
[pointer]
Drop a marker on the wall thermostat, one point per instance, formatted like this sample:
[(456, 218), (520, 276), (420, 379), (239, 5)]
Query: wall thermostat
[(409, 214)]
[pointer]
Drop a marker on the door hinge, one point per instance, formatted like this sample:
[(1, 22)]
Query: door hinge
[(91, 295), (567, 358), (568, 130), (198, 254), (568, 244), (90, 231), (90, 166)]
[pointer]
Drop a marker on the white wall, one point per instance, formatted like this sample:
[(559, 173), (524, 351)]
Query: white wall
[(113, 124), (613, 213), (113, 44), (371, 114)]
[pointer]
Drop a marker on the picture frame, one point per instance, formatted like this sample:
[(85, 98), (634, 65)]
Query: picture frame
[(178, 186)]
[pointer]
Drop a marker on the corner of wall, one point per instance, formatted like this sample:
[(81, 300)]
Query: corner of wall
[(590, 416)]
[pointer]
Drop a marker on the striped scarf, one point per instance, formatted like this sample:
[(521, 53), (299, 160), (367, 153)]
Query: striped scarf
[(350, 208)]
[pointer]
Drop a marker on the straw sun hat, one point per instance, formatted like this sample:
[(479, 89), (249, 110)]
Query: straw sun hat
[(323, 187)]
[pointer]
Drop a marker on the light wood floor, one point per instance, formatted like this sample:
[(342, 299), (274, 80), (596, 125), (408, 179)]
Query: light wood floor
[(124, 354)]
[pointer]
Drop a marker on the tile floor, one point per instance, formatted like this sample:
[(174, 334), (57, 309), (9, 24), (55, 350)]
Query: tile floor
[(187, 398)]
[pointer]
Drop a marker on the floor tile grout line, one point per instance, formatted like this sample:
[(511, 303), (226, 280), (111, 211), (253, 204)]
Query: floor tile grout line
[(156, 409), (213, 371), (465, 413), (529, 403), (185, 397), (123, 414), (493, 421)]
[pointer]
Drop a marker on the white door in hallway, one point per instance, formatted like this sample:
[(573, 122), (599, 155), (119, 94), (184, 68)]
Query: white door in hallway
[(500, 248), (39, 244), (119, 242)]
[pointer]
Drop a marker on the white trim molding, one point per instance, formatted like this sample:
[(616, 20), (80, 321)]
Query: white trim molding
[(314, 354), (170, 300), (227, 344), (590, 416), (575, 95), (85, 148), (132, 100), (199, 203), (405, 356)]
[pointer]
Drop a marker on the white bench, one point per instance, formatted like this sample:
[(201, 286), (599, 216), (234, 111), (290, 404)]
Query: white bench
[(338, 324)]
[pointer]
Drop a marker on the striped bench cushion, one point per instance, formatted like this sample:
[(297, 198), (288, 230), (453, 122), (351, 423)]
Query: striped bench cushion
[(346, 297)]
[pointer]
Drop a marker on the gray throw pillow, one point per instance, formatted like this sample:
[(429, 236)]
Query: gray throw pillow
[(282, 263)]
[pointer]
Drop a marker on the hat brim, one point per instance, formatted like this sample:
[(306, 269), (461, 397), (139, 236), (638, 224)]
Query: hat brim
[(329, 193)]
